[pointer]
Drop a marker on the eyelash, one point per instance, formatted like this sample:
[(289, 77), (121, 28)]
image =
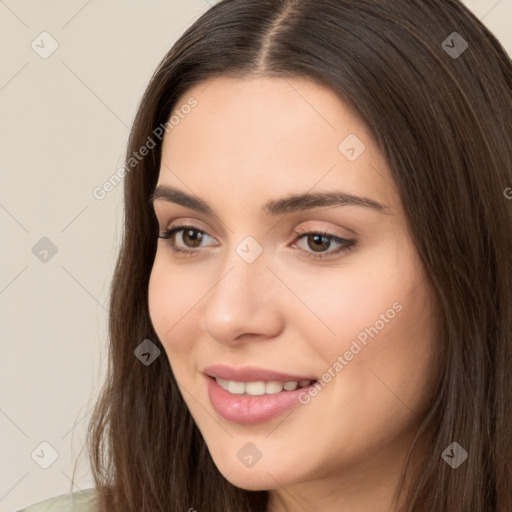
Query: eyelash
[(348, 244)]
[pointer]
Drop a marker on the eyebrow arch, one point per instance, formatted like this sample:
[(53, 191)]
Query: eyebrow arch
[(282, 206)]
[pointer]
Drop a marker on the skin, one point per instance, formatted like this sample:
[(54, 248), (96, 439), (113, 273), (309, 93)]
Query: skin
[(247, 141)]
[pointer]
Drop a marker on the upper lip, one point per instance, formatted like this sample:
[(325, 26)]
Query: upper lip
[(252, 374)]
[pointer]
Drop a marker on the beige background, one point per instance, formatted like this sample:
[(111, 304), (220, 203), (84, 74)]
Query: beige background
[(63, 128)]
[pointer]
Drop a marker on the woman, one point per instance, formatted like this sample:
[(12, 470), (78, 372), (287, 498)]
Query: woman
[(311, 309)]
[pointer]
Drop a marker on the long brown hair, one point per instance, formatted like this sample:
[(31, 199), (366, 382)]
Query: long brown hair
[(441, 114)]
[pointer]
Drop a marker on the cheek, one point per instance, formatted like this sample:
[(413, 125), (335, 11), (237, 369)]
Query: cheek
[(390, 377), (359, 299), (383, 319), (171, 296)]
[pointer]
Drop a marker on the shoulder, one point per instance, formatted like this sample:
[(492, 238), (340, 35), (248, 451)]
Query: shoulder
[(79, 501)]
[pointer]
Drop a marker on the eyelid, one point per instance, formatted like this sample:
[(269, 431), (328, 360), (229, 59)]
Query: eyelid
[(185, 222), (327, 231)]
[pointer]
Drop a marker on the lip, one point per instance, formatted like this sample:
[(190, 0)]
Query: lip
[(246, 409), (252, 374)]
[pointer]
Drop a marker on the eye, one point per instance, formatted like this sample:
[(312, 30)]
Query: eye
[(190, 233), (192, 237), (319, 240)]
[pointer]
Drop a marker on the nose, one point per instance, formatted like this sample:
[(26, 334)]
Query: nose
[(243, 304)]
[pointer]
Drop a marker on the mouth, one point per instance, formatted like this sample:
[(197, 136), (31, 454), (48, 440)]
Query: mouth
[(253, 395)]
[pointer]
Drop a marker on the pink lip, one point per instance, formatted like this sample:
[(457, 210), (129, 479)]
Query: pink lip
[(247, 409), (251, 374)]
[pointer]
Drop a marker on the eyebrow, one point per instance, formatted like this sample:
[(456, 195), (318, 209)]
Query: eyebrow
[(298, 202)]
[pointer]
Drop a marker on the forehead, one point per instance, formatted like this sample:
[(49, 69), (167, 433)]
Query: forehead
[(268, 106), (254, 133)]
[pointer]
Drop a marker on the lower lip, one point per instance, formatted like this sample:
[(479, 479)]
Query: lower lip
[(246, 409)]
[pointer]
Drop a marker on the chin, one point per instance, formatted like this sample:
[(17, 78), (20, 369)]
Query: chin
[(251, 480), (261, 477)]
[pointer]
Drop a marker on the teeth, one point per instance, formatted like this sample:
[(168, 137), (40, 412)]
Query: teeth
[(260, 388), (255, 388), (237, 388), (273, 387), (222, 383)]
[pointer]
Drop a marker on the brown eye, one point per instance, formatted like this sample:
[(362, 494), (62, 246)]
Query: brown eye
[(191, 238), (193, 235), (318, 243)]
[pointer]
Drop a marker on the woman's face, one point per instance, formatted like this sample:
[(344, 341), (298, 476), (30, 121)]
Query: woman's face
[(260, 303)]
